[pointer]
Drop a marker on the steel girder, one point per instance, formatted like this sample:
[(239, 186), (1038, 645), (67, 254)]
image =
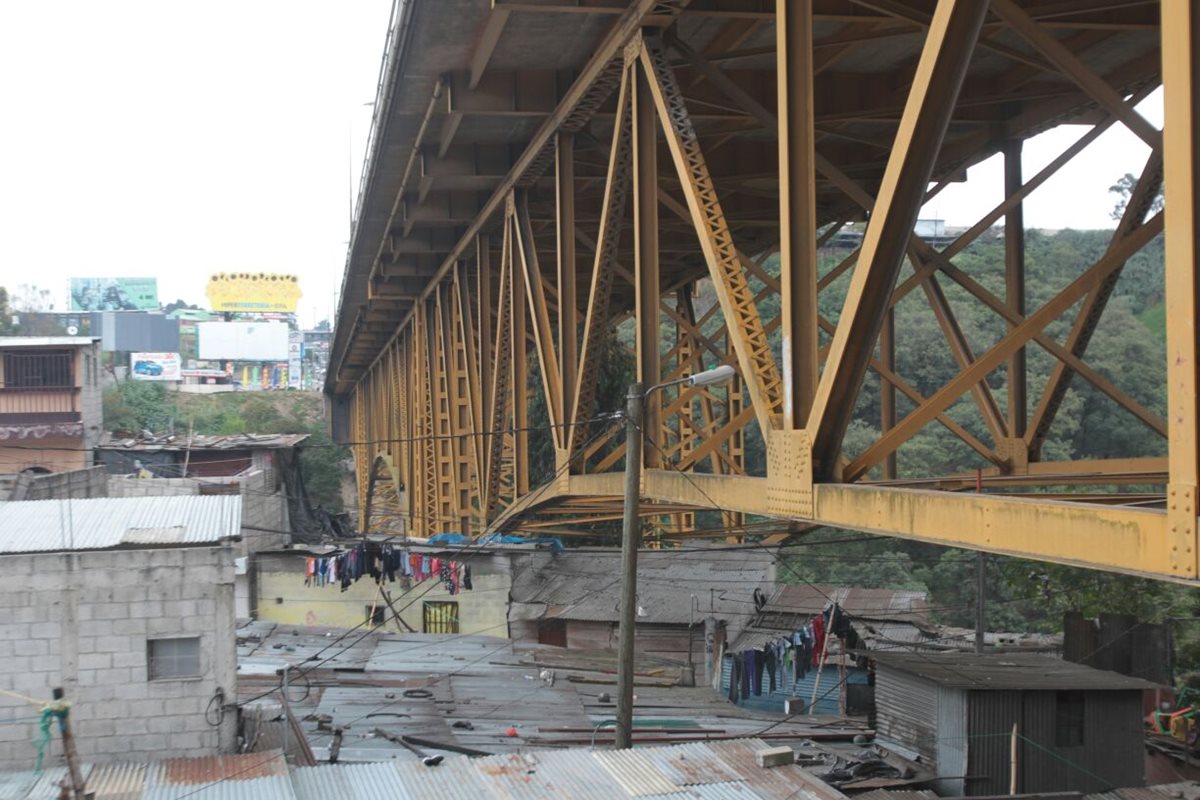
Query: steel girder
[(558, 257)]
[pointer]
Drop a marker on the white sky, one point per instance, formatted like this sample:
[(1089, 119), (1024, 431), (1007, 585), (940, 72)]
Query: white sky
[(174, 139), (170, 139)]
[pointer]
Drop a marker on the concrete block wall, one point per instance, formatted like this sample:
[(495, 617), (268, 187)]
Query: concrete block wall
[(123, 486), (91, 393), (82, 621), (264, 513), (79, 483)]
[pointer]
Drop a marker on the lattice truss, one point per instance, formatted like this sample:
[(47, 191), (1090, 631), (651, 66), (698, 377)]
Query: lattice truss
[(737, 182)]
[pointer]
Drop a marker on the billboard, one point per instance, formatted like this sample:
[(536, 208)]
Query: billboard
[(242, 341), (295, 355), (253, 292), (154, 366), (114, 294)]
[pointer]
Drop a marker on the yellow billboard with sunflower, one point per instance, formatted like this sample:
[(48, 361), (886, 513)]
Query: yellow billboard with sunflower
[(253, 292)]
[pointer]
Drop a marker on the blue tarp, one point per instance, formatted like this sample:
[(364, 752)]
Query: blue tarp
[(555, 543)]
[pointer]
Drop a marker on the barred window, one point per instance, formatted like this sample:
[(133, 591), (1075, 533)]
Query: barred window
[(440, 616), (44, 370)]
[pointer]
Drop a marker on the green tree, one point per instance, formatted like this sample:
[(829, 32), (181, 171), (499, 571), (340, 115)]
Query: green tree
[(7, 326)]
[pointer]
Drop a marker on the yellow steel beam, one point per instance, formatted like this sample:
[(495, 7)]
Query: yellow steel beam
[(755, 358), (568, 324), (648, 280), (596, 322), (1026, 330), (1181, 84), (539, 314), (947, 51), (1131, 541), (797, 208)]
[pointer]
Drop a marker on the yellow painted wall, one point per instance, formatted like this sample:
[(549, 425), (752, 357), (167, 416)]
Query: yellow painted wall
[(283, 598)]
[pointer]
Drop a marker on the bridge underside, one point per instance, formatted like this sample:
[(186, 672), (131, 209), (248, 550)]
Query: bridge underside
[(558, 188)]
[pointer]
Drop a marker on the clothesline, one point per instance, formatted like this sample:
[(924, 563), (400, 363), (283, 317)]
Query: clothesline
[(385, 562), (794, 654)]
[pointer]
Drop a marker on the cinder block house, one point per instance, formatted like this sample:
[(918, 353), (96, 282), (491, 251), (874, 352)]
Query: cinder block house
[(128, 605)]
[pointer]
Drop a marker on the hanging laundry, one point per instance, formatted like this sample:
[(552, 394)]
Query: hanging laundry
[(780, 647), (736, 673), (767, 660)]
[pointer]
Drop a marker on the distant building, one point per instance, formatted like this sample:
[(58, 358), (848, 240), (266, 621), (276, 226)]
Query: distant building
[(128, 604), (260, 467), (1078, 729), (118, 331), (50, 413)]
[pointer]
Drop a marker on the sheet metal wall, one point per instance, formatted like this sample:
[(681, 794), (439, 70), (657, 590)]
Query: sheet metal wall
[(906, 711), (1111, 753), (952, 742), (773, 701)]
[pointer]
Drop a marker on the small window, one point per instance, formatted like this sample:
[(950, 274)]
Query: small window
[(440, 616), (374, 616), (173, 658), (1068, 719)]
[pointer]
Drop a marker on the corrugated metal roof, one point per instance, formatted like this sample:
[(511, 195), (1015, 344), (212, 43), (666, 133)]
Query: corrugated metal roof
[(711, 771), (581, 585), (30, 785), (100, 523), (715, 791), (1006, 671), (636, 773), (234, 777), (895, 605), (181, 442), (117, 781), (455, 778), (530, 776), (378, 781), (1179, 791), (690, 764)]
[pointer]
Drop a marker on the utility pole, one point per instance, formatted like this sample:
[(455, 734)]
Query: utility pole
[(980, 600), (635, 402), (630, 536), (980, 583), (287, 716), (64, 727)]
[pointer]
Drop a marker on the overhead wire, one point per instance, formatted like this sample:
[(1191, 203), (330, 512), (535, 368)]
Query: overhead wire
[(717, 507), (431, 584)]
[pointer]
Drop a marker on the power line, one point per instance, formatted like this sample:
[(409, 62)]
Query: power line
[(393, 440), (432, 584)]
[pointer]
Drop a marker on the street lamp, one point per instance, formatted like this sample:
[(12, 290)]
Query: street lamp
[(635, 403)]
